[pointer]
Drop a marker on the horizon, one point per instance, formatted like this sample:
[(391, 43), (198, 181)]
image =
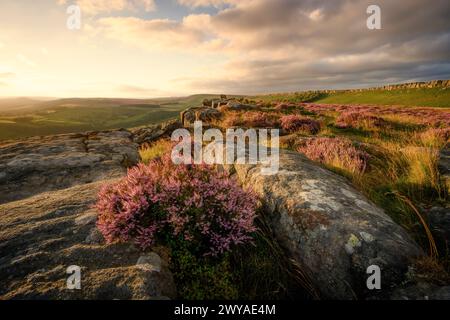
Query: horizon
[(44, 98), (153, 48)]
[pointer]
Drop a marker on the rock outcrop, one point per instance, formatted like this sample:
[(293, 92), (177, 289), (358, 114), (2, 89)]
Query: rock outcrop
[(330, 229), (205, 114), (151, 133), (38, 164), (40, 237)]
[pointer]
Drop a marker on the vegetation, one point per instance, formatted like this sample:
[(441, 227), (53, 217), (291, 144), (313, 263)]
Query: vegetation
[(390, 153), (23, 117), (425, 97)]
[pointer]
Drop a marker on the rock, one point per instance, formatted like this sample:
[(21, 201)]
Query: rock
[(236, 106), (40, 164), (88, 218), (330, 229), (439, 221), (94, 237), (159, 278), (44, 234), (206, 115), (442, 293), (152, 133), (149, 262), (422, 291)]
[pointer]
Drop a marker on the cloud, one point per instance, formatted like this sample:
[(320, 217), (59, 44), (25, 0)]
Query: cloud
[(190, 34), (292, 44), (206, 3), (25, 60), (94, 7)]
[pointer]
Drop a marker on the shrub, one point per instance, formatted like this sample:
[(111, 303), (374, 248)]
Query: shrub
[(295, 123), (232, 119), (336, 152), (259, 120), (164, 203), (252, 119), (359, 120)]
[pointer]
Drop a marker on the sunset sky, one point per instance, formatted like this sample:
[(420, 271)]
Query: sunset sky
[(153, 48)]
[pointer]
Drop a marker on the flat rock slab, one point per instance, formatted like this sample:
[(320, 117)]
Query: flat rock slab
[(39, 164), (41, 236), (329, 228)]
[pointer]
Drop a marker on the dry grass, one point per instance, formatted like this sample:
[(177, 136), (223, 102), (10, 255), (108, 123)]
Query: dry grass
[(155, 150)]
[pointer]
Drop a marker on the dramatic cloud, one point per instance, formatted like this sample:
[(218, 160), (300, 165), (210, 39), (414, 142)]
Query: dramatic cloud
[(291, 44), (230, 46)]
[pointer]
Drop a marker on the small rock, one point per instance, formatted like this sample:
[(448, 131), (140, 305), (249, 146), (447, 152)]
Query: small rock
[(94, 237), (149, 262)]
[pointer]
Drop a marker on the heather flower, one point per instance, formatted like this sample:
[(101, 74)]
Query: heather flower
[(164, 203), (336, 152), (251, 119), (358, 120), (295, 123)]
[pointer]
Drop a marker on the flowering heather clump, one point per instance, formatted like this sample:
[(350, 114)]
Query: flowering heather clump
[(232, 119), (259, 120), (357, 120), (252, 119), (164, 203), (295, 123), (336, 152)]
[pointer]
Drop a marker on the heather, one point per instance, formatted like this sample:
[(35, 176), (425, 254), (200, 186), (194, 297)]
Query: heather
[(336, 152), (390, 153), (296, 123), (251, 119), (359, 120), (163, 203)]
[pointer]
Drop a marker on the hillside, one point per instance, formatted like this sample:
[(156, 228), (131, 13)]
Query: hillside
[(421, 94), (23, 117)]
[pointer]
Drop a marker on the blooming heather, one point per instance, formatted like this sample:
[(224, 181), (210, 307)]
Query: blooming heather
[(357, 119), (337, 152), (163, 203), (295, 123)]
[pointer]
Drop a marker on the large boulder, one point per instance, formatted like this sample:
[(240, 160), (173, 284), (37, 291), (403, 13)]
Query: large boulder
[(41, 236), (330, 229), (39, 164)]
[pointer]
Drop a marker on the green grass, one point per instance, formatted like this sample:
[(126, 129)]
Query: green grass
[(425, 97), (433, 97)]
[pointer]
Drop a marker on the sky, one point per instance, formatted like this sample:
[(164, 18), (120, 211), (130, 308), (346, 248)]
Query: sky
[(156, 48)]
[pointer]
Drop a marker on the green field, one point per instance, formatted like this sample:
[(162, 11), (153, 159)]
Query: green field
[(432, 97), (22, 118)]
